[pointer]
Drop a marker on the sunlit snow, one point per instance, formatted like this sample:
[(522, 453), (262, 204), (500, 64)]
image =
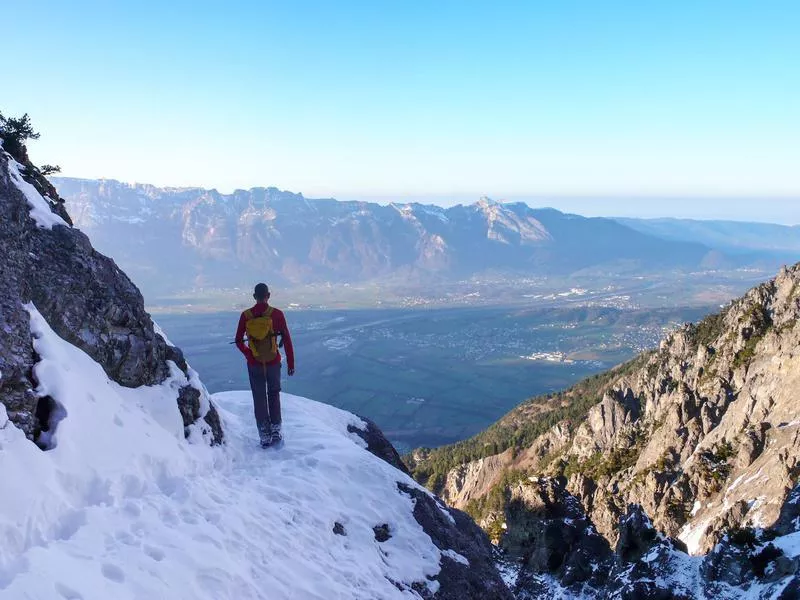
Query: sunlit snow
[(124, 507), (40, 209)]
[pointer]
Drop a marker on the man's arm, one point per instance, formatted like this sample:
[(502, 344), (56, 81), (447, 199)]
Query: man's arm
[(239, 339), (287, 344)]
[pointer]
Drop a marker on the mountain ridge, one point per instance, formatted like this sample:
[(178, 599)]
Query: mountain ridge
[(701, 433), (735, 237), (211, 237)]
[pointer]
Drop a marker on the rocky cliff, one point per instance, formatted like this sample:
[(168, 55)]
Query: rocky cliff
[(703, 434), (85, 297), (552, 550)]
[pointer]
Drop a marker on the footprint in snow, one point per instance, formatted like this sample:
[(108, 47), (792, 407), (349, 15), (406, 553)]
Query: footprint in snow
[(189, 517), (217, 498), (113, 572), (202, 538), (157, 554), (67, 592), (70, 524), (132, 509), (212, 517), (169, 518), (126, 538)]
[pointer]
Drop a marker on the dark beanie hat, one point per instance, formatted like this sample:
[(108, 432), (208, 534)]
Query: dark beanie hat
[(261, 291)]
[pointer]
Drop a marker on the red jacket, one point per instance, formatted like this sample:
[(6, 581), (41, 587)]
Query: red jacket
[(278, 324)]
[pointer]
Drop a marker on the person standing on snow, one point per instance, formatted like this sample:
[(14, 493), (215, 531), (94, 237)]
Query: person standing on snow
[(263, 324)]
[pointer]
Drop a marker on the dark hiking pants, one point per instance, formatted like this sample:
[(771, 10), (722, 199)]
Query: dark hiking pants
[(265, 383)]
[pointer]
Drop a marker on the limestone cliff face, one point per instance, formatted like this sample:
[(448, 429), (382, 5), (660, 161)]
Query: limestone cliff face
[(703, 434), (84, 297), (710, 424)]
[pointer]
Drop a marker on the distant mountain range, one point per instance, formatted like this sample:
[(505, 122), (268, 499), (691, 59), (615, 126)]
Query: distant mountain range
[(733, 237), (176, 239)]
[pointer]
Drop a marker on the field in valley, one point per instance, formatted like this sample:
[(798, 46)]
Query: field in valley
[(429, 377)]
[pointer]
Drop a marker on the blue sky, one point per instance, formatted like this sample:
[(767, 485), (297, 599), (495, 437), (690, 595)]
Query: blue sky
[(611, 105)]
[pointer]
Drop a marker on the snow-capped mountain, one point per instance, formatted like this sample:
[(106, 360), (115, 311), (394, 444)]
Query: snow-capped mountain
[(204, 237)]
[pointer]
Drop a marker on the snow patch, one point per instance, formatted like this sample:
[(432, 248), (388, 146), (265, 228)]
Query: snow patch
[(790, 544), (435, 212), (444, 511), (509, 571), (125, 507), (739, 481), (692, 535), (40, 208), (453, 555), (159, 331)]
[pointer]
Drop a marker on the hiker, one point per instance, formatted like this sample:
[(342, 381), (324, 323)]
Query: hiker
[(263, 324)]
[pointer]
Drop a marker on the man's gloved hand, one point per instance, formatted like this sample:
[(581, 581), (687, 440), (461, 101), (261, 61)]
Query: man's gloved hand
[(291, 372)]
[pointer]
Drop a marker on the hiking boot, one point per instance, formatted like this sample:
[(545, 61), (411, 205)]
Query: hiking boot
[(265, 436), (276, 437)]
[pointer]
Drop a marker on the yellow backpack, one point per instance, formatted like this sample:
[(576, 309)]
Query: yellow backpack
[(261, 337)]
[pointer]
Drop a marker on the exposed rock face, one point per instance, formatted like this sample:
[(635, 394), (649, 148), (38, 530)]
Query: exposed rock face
[(547, 528), (468, 574), (378, 444), (703, 434), (554, 552), (681, 449), (475, 479), (85, 298), (719, 432), (617, 412)]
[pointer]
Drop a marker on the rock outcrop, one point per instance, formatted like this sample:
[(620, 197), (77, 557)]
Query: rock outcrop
[(468, 570), (84, 297), (378, 445), (552, 551), (701, 435)]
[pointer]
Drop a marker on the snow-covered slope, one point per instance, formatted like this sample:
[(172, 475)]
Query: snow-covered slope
[(125, 507)]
